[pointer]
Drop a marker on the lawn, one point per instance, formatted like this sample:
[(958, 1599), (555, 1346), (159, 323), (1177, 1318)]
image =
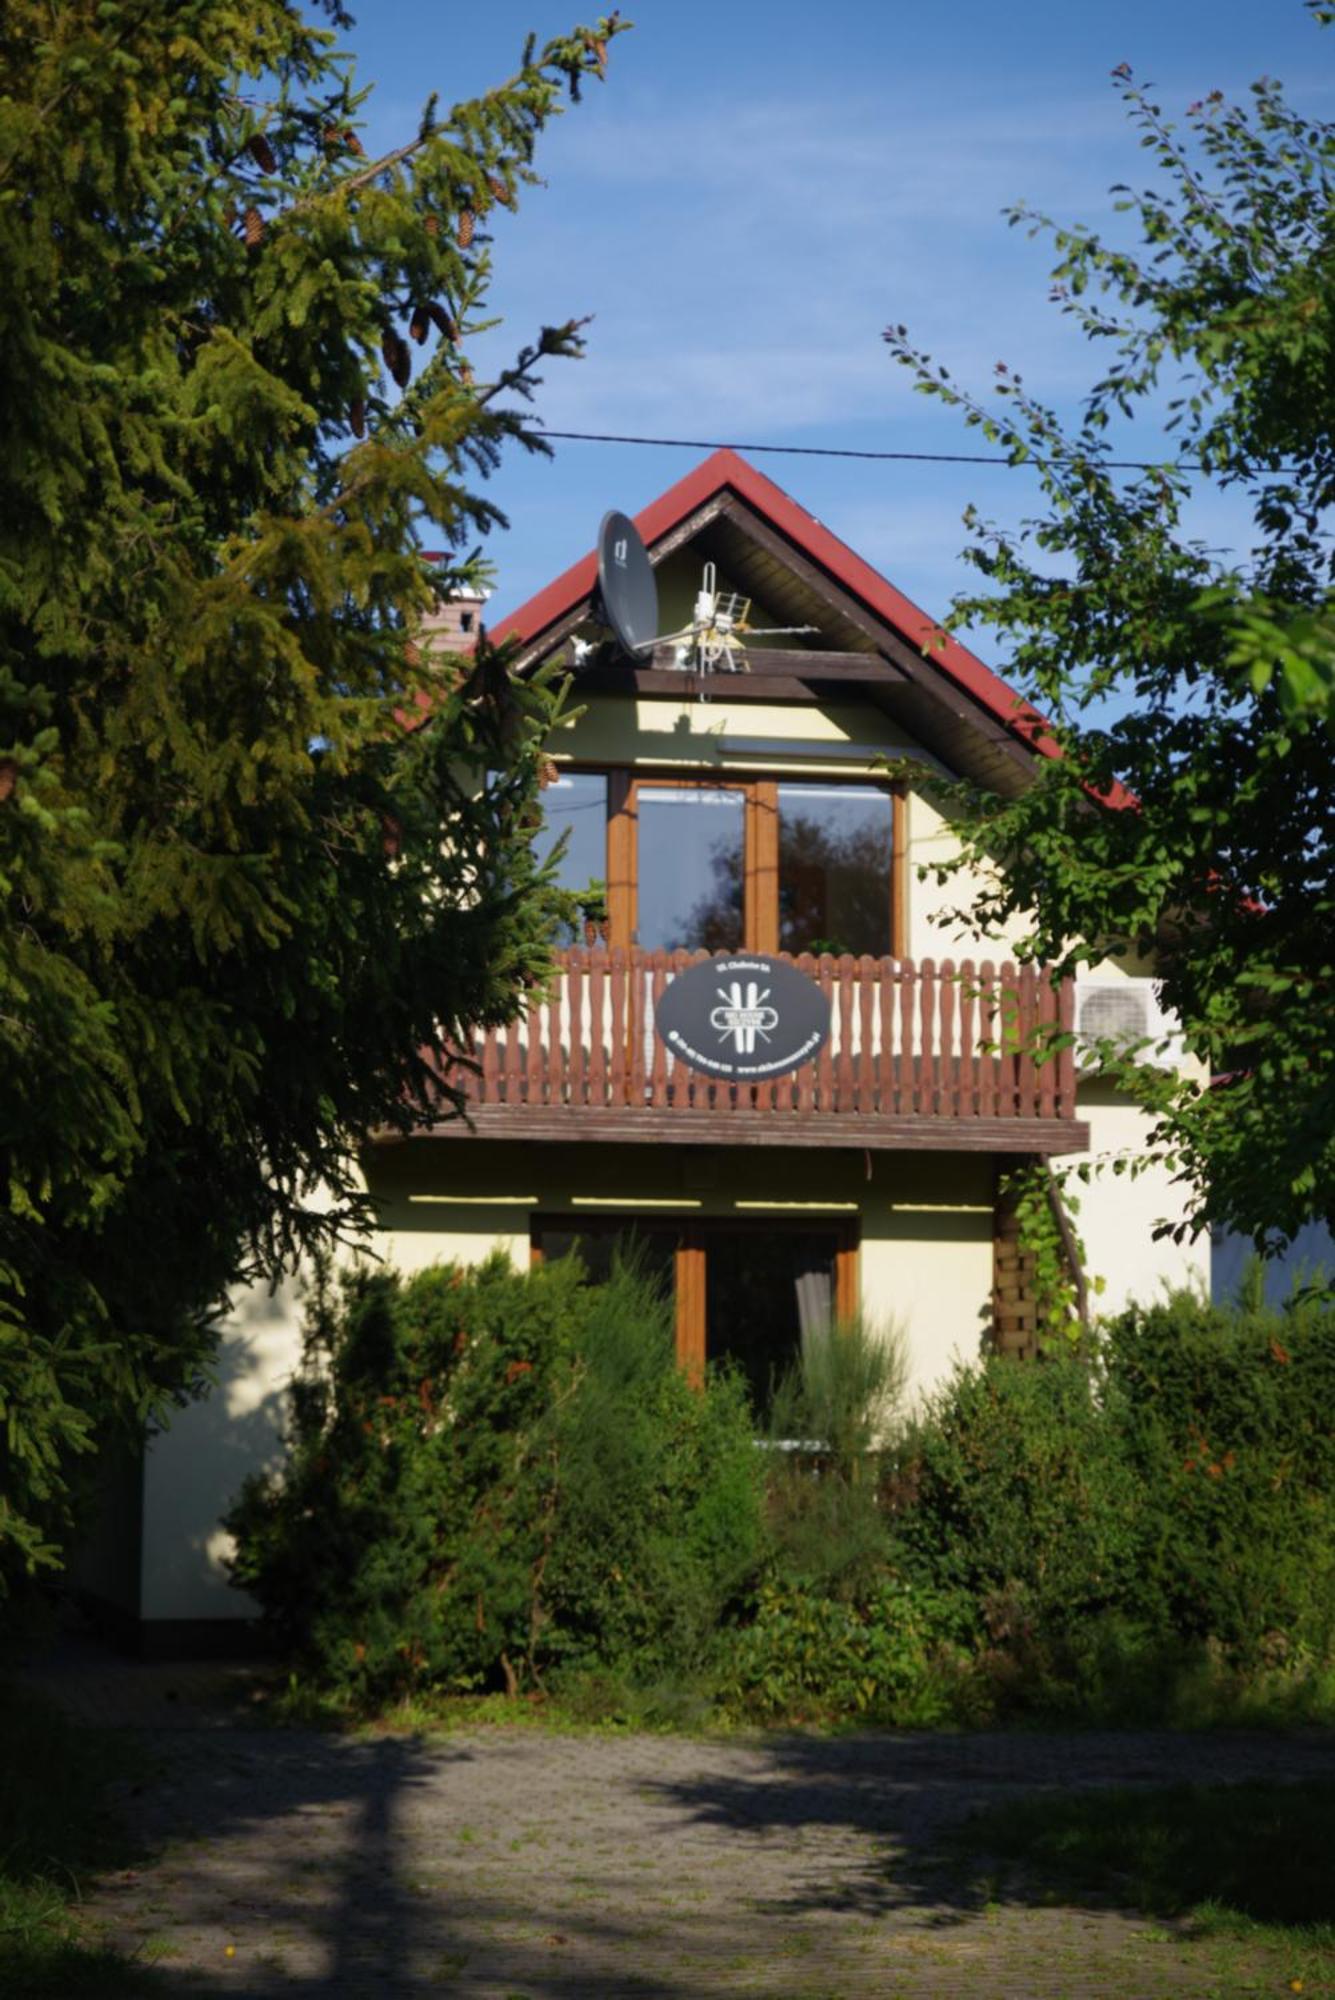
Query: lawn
[(1243, 1875)]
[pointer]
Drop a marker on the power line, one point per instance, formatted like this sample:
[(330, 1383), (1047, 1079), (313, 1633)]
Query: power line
[(835, 451)]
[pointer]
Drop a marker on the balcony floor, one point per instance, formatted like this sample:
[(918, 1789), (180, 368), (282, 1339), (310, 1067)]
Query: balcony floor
[(871, 1131)]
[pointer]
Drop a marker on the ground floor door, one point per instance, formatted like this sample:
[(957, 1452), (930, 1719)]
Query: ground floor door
[(744, 1291)]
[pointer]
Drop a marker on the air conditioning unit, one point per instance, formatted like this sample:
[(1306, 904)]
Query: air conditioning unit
[(1127, 1013)]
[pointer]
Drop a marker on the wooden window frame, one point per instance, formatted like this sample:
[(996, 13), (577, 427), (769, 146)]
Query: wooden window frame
[(760, 871), (760, 847)]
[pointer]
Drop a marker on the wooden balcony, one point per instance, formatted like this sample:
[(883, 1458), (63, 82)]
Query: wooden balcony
[(922, 1055)]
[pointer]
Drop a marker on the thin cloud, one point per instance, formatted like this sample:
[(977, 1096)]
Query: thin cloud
[(740, 263)]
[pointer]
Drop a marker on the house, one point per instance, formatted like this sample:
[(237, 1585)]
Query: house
[(787, 808)]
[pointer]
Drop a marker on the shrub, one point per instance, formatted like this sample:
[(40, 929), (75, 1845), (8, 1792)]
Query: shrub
[(1228, 1419), (1148, 1532), (1019, 1496), (877, 1657), (503, 1480), (491, 1473), (834, 1632), (657, 1530), (843, 1392)]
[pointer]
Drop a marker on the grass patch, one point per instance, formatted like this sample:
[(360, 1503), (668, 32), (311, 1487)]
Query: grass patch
[(1246, 1866), (1260, 1851), (595, 1703), (55, 1833)]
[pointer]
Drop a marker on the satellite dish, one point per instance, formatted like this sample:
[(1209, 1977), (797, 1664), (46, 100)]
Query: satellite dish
[(628, 598), (626, 584)]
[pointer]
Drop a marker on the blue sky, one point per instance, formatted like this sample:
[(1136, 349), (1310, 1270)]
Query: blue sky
[(760, 187)]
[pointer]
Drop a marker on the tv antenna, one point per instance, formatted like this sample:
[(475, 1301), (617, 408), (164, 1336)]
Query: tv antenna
[(627, 596)]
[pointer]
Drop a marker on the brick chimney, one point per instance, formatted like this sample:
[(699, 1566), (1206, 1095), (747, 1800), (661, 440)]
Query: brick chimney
[(454, 620)]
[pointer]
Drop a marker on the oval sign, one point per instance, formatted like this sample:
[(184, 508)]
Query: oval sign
[(743, 1018)]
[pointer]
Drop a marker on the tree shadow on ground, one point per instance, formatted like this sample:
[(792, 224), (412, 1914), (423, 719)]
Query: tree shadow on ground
[(960, 1823), (300, 1843), (340, 1866)]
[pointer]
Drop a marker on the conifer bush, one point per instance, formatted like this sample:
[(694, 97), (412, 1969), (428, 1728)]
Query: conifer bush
[(832, 1417), (838, 1630), (1018, 1493), (660, 1530), (493, 1475)]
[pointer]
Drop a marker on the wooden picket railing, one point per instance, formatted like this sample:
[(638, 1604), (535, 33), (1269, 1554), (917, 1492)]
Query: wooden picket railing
[(918, 1041)]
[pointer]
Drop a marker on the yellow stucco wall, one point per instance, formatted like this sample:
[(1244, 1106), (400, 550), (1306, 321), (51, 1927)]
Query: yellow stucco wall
[(610, 729), (1119, 1211), (194, 1469)]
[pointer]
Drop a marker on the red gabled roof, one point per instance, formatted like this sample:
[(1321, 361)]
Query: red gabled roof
[(726, 469)]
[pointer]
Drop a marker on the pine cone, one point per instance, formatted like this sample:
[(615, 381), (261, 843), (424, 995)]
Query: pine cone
[(431, 226), (397, 358), (466, 374), (417, 324), (467, 224), (352, 142), (262, 153), (501, 193), (253, 226), (412, 654), (357, 417), (442, 322)]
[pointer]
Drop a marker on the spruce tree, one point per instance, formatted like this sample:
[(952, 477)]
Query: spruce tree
[(261, 851)]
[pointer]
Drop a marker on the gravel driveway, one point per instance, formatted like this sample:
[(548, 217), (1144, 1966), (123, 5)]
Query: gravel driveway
[(525, 1866)]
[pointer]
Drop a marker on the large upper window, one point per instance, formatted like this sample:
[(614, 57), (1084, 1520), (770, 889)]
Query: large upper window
[(836, 843), (730, 864)]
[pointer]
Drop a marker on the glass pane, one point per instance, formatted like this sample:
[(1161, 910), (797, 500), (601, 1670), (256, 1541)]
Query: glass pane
[(575, 803), (598, 1242), (765, 1291), (835, 849), (691, 841)]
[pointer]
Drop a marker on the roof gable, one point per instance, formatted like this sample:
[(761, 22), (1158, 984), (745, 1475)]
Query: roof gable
[(941, 689)]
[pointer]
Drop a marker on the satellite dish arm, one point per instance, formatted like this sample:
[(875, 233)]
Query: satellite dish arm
[(674, 638), (772, 631)]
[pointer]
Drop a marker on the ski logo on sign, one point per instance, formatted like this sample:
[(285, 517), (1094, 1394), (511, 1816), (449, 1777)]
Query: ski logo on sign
[(744, 1015)]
